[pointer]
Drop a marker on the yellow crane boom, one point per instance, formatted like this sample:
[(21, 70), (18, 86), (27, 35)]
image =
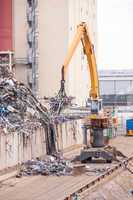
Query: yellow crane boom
[(88, 48)]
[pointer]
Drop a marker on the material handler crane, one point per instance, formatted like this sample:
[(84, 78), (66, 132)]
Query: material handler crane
[(97, 121)]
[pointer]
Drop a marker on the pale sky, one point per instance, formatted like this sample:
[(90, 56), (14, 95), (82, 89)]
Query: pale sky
[(115, 34)]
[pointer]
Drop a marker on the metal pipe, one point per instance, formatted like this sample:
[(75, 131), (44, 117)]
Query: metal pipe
[(84, 135)]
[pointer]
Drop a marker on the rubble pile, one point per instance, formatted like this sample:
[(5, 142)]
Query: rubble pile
[(51, 165), (20, 111)]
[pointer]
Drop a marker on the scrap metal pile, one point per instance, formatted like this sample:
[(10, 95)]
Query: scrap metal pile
[(62, 108), (20, 111), (51, 165), (59, 102), (68, 111)]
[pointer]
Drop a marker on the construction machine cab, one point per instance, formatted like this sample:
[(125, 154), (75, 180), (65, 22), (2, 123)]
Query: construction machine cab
[(96, 106)]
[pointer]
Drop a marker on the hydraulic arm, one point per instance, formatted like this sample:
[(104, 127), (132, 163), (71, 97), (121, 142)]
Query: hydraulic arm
[(88, 48)]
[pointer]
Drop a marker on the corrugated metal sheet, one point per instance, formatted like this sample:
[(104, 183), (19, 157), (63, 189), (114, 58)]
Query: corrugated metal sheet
[(6, 29)]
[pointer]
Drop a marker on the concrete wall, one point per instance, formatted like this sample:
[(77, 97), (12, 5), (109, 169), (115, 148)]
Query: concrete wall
[(69, 134), (52, 44), (21, 73), (15, 148)]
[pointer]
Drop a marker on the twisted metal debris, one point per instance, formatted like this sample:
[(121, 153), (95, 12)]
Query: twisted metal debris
[(62, 107), (51, 165), (20, 111), (58, 103)]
